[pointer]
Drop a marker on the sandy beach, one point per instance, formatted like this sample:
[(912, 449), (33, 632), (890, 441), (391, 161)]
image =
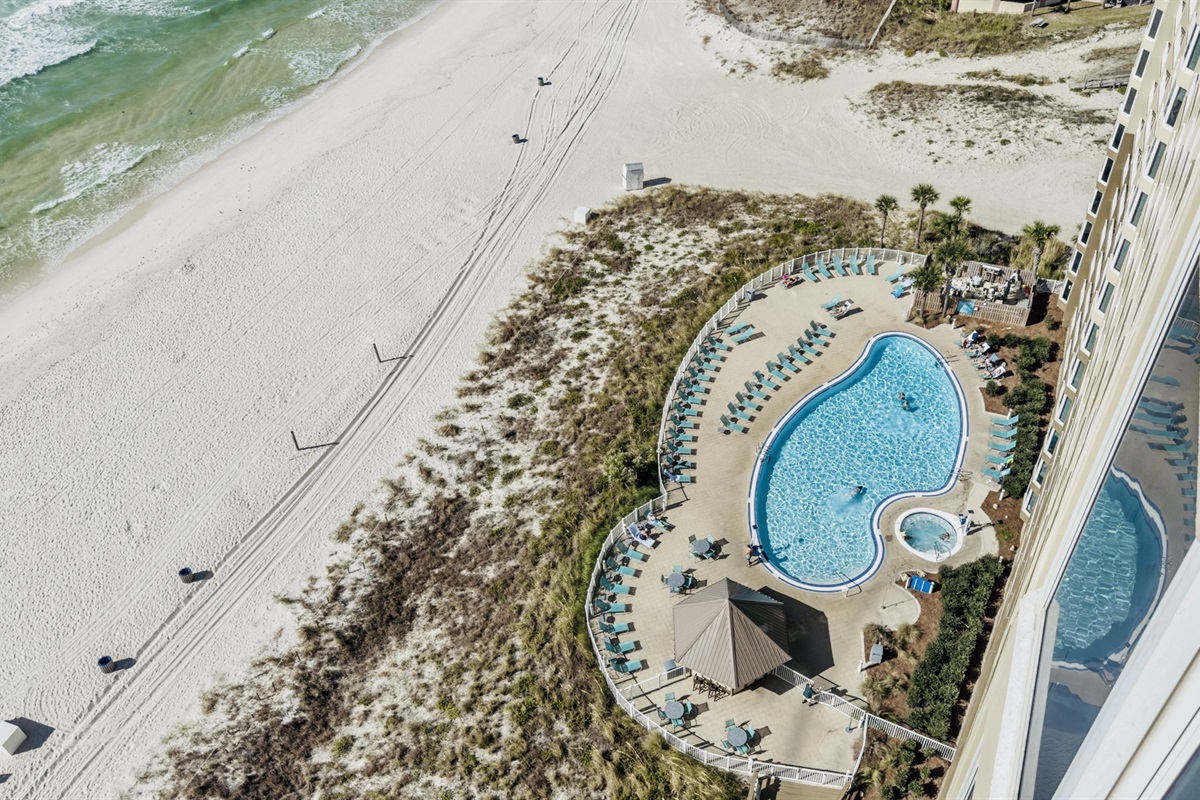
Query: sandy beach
[(153, 382)]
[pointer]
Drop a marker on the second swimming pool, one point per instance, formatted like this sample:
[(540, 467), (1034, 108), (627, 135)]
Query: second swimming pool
[(843, 452)]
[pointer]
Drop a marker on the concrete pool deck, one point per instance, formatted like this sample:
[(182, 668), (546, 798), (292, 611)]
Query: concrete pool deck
[(825, 629)]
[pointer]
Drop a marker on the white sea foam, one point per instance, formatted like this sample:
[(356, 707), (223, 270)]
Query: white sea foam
[(267, 34), (320, 12), (313, 67), (107, 162), (39, 36), (242, 51)]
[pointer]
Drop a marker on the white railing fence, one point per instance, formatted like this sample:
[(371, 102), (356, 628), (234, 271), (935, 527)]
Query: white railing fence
[(633, 687)]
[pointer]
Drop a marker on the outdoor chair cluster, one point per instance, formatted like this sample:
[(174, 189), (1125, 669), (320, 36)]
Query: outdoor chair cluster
[(689, 582), (809, 272), (681, 722), (988, 365), (1162, 423), (1002, 441), (711, 553), (741, 749), (785, 364), (711, 689)]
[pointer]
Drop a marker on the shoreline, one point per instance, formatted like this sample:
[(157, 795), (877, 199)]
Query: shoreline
[(149, 403)]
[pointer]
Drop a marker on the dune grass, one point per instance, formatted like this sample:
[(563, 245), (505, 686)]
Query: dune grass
[(447, 655)]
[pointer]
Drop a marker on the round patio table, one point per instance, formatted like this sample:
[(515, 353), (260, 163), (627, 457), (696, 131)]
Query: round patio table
[(673, 710), (676, 580), (736, 736), (701, 546)]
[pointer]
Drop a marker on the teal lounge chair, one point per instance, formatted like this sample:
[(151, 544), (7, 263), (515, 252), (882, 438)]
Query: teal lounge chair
[(798, 356), (745, 335), (897, 275), (620, 648), (717, 344), (786, 363), (613, 566), (1005, 421), (1152, 432), (831, 303), (747, 402), (817, 326), (684, 425), (854, 264), (871, 268), (1001, 460), (1002, 433), (626, 666), (629, 552), (1002, 447), (738, 413), (603, 607), (697, 375), (776, 371), (808, 273), (807, 347), (1182, 447), (764, 381), (1143, 416), (687, 411), (736, 328), (695, 387), (825, 273), (818, 337), (730, 425), (680, 436), (996, 474), (613, 630), (684, 478), (838, 268), (755, 392), (615, 588)]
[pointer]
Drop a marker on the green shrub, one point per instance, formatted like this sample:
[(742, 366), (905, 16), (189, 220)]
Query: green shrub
[(937, 680), (890, 792), (993, 389)]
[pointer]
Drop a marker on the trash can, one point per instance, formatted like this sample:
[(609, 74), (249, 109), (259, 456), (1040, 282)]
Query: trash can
[(516, 138), (186, 575), (106, 664), (541, 81)]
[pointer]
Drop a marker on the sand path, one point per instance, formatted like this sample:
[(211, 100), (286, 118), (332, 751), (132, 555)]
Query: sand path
[(152, 382)]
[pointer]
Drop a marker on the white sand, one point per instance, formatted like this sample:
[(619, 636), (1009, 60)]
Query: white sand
[(150, 383)]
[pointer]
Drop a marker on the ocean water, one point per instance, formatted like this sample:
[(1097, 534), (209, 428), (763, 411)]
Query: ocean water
[(102, 101)]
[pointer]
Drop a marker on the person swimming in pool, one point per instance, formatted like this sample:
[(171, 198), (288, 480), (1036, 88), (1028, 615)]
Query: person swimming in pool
[(860, 489)]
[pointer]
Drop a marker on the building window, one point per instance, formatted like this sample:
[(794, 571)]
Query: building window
[(1087, 231), (1194, 56), (1130, 96), (1064, 408), (1121, 255), (1156, 162), (1141, 64), (1040, 475), (1138, 209), (1067, 287), (1117, 571), (1117, 137), (1077, 375), (1104, 175), (1157, 18), (1030, 501), (1076, 262), (1096, 202), (1106, 298), (1052, 442), (1091, 338), (1176, 104)]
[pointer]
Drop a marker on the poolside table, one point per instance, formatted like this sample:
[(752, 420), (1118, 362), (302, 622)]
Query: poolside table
[(676, 580), (701, 546), (673, 710), (736, 736)]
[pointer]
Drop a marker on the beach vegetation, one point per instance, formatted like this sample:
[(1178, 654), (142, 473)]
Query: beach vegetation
[(808, 67)]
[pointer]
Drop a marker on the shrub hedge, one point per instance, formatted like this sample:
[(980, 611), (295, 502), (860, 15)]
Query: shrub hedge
[(937, 680), (1029, 399)]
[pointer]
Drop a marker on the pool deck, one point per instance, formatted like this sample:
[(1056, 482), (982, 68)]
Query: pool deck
[(825, 629)]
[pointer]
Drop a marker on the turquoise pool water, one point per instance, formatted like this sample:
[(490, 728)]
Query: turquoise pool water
[(928, 533), (818, 533), (1112, 578)]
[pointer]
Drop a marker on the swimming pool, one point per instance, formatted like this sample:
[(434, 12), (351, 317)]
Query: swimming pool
[(932, 535), (819, 532)]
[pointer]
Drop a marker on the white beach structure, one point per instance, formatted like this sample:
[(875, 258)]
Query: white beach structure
[(582, 214), (11, 737), (632, 175)]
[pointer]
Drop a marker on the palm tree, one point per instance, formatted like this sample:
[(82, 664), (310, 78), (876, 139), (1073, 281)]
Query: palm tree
[(928, 277), (1039, 233), (923, 195), (885, 205), (951, 254), (961, 206)]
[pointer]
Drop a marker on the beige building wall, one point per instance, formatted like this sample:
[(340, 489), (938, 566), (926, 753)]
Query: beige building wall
[(1126, 285)]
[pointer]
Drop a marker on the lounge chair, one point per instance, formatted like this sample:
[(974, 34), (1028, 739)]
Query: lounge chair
[(604, 607), (786, 363), (680, 436), (897, 275), (629, 552), (755, 392), (776, 371), (1160, 419), (764, 381), (730, 425), (840, 311), (684, 425), (996, 474), (747, 402), (613, 566), (686, 411), (831, 303), (697, 375), (716, 343), (732, 329), (1001, 460), (820, 337), (901, 288), (854, 268), (737, 412), (615, 588), (871, 267), (1003, 447), (1005, 421), (797, 355), (807, 347), (808, 273), (838, 268), (613, 629), (1002, 433), (692, 385), (1176, 434), (825, 273), (1182, 447), (817, 326), (745, 335), (625, 665), (620, 648)]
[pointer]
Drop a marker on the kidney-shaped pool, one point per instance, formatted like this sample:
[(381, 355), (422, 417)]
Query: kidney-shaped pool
[(840, 455)]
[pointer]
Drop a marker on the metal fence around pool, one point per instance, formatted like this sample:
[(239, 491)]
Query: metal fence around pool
[(634, 688)]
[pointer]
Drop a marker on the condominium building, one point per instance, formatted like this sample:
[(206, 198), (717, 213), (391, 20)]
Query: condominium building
[(1091, 683)]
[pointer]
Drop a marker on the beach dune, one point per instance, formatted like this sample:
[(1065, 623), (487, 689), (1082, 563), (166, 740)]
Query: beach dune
[(153, 383)]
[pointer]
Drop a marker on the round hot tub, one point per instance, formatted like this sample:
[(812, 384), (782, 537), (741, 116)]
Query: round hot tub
[(931, 534)]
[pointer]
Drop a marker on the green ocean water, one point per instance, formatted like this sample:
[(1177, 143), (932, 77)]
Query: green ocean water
[(104, 101)]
